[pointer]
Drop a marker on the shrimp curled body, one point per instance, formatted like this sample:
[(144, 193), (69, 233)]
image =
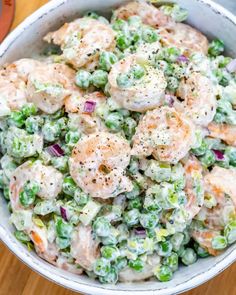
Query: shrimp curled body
[(98, 164), (82, 41), (164, 133), (144, 94), (199, 100)]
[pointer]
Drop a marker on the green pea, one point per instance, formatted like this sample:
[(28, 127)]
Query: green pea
[(123, 41), (107, 60), (69, 186), (45, 207), (17, 119), (230, 232), (58, 114), (109, 240), (72, 137), (149, 35), (135, 203), (124, 81), (172, 261), (135, 21), (208, 159), (51, 131), (178, 71), (110, 252), (60, 163), (133, 165), (134, 193), (163, 65), (219, 243), (176, 241), (230, 152), (99, 78), (219, 117), (102, 227), (179, 14), (21, 236), (125, 113), (131, 217), (29, 109), (110, 278), (102, 267), (63, 228), (63, 243), (201, 150), (81, 197), (18, 148), (164, 273), (188, 256), (120, 264), (216, 47), (137, 265), (172, 83), (136, 37), (224, 61), (114, 121), (164, 248), (120, 25), (6, 193), (2, 179), (171, 54), (201, 252), (151, 204), (82, 79), (149, 220), (27, 196), (137, 72), (33, 124)]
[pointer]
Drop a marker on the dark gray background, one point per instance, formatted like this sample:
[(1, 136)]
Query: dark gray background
[(229, 4)]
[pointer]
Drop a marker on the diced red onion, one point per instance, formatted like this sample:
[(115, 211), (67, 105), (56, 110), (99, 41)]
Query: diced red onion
[(63, 213), (231, 67), (140, 232), (55, 150), (169, 99), (219, 155), (182, 58), (89, 106)]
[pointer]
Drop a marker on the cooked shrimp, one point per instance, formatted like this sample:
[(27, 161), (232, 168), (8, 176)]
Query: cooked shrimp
[(199, 101), (222, 181), (23, 67), (185, 38), (98, 164), (47, 251), (13, 92), (86, 122), (204, 238), (65, 265), (49, 85), (218, 216), (164, 133), (130, 275), (194, 187), (149, 14), (48, 178), (224, 132), (84, 247), (82, 41), (143, 94)]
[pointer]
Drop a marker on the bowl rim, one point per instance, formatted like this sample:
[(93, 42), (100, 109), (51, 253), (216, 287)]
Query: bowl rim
[(37, 264)]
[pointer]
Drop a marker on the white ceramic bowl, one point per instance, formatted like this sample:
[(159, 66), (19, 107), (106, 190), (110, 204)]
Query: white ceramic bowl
[(25, 41)]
